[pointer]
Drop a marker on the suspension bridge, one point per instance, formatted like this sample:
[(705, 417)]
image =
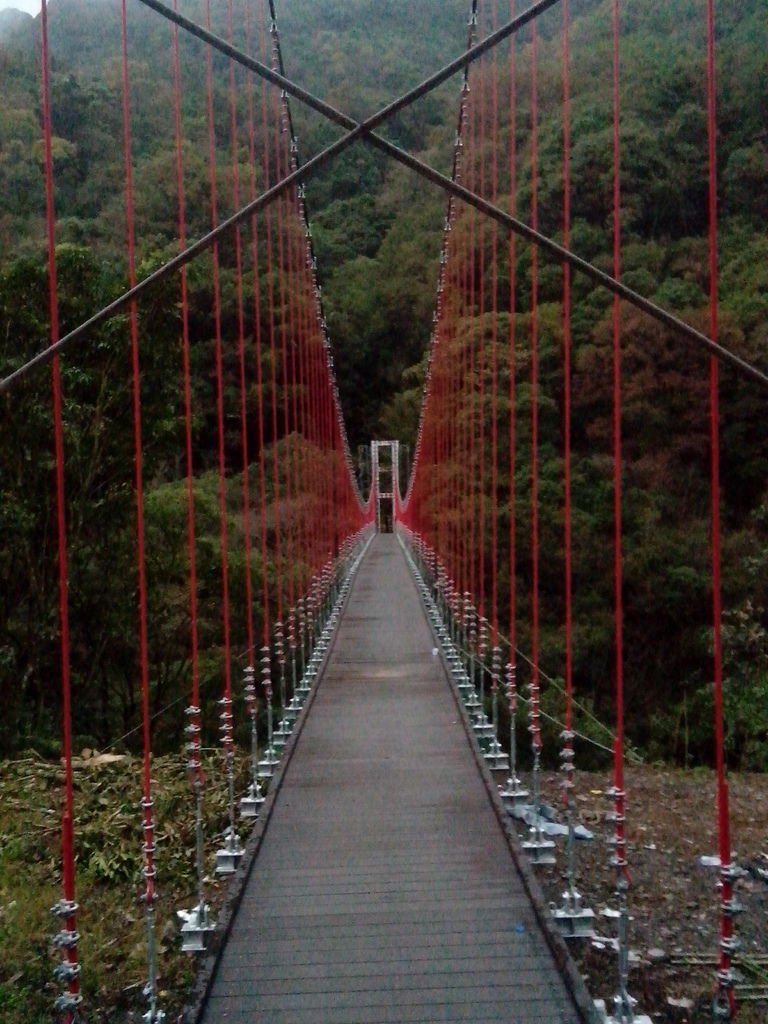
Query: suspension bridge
[(378, 874)]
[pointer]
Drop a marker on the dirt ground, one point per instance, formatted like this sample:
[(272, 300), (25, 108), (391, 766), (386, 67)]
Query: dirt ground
[(673, 900)]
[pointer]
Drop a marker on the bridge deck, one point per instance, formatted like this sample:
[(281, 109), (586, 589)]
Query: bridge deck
[(384, 889)]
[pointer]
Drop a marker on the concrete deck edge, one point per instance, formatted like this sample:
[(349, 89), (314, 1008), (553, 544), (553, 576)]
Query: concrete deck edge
[(574, 982), (209, 965)]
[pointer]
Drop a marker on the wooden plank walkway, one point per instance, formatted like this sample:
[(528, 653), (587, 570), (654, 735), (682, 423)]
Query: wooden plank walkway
[(384, 889)]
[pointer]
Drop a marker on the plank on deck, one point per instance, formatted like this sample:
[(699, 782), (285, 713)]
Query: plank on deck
[(384, 891)]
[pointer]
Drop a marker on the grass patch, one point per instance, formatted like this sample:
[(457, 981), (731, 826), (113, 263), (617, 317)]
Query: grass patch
[(109, 859)]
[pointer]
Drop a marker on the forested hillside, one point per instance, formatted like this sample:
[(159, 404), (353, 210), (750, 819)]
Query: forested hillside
[(377, 233)]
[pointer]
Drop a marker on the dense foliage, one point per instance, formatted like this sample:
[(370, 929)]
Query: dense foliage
[(377, 236)]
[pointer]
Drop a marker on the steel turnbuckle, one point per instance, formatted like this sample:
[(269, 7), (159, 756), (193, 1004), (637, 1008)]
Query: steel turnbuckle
[(67, 938), (65, 908), (68, 1002)]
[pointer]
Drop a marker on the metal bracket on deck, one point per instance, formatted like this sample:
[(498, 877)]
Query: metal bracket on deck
[(229, 856), (268, 764), (251, 801), (482, 727), (495, 757), (514, 796), (538, 849), (574, 920), (196, 928), (622, 1016)]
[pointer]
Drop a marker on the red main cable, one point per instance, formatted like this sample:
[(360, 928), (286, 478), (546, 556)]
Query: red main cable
[(68, 906)]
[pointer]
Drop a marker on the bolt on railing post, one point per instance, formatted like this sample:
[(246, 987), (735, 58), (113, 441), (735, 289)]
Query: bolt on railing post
[(197, 922), (292, 647), (266, 766), (482, 650), (514, 796), (252, 712), (512, 696), (574, 920), (253, 798), (229, 855), (280, 653), (495, 757), (539, 849)]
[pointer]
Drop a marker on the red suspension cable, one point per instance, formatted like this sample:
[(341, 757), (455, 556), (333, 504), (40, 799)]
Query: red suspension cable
[(567, 555), (511, 341), (245, 488), (618, 768), (194, 725), (294, 319), (453, 347), (480, 113), (233, 849), (146, 802), (138, 474), (276, 496), (534, 336), (304, 260), (66, 909), (219, 373), (296, 455), (472, 475), (298, 326), (494, 503), (283, 214), (257, 344), (465, 311), (725, 977)]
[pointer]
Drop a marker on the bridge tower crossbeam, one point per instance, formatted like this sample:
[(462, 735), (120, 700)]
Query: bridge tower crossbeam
[(385, 475)]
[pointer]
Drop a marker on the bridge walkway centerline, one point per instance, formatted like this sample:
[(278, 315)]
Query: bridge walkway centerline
[(384, 889)]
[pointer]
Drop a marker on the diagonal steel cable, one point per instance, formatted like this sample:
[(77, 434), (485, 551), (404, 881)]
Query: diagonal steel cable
[(311, 167), (365, 130)]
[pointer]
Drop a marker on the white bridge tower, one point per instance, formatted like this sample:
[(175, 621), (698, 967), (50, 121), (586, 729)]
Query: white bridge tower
[(385, 476)]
